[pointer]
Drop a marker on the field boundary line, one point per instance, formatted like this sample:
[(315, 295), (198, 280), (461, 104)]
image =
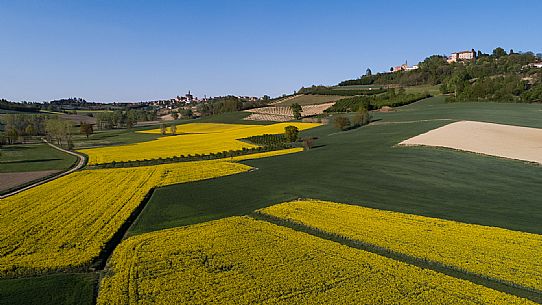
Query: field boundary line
[(495, 284), (410, 122), (80, 164)]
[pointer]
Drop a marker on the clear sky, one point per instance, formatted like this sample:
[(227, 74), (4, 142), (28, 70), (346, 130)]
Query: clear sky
[(144, 50)]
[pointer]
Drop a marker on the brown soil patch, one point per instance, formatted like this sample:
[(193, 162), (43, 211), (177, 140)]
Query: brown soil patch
[(513, 142), (11, 180)]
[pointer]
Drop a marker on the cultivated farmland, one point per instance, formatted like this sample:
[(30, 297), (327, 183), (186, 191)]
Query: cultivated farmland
[(64, 227), (283, 113), (488, 251), (245, 261), (514, 142), (191, 139), (66, 223), (308, 99)]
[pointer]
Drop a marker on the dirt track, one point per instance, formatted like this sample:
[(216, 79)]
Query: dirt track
[(513, 142)]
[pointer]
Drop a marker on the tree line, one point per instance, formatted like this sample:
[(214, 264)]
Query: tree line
[(21, 127), (123, 119), (229, 103), (362, 117), (324, 90), (21, 107), (498, 76), (391, 98)]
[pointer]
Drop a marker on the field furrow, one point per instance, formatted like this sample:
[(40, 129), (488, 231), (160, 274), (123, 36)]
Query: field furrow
[(65, 224), (508, 256), (245, 261)]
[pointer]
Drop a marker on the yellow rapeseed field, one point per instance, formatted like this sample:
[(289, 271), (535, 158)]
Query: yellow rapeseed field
[(65, 223), (194, 138), (506, 255), (240, 260)]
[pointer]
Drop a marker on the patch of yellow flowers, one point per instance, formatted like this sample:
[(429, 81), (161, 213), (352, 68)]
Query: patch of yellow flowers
[(239, 260), (505, 255), (65, 223), (191, 139)]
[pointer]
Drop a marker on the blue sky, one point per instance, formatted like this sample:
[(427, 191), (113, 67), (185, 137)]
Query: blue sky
[(144, 50)]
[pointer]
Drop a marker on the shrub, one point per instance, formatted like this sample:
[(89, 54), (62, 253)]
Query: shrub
[(362, 117), (291, 133), (341, 122)]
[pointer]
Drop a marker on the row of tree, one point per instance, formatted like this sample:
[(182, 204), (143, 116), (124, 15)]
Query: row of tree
[(18, 127), (360, 118), (229, 103), (391, 98), (123, 118), (20, 107), (324, 90)]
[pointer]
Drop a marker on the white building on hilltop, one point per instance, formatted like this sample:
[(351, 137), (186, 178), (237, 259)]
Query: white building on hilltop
[(463, 55)]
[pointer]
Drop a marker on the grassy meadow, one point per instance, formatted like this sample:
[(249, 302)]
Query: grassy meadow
[(58, 289), (310, 99), (33, 157)]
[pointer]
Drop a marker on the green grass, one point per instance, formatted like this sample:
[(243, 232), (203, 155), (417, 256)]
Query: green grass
[(33, 157), (113, 137), (363, 166), (59, 289), (358, 87), (230, 118), (431, 89), (92, 111), (6, 111), (310, 99), (436, 108)]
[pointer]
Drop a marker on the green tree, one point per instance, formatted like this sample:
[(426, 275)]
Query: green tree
[(30, 130), (458, 81), (187, 113), (175, 114), (361, 118), (173, 129), (60, 130), (499, 52), (308, 143), (296, 110), (291, 133), (163, 129), (341, 122), (86, 129)]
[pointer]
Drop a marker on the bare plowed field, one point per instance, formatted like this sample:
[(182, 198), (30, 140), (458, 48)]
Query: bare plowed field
[(513, 142), (10, 180)]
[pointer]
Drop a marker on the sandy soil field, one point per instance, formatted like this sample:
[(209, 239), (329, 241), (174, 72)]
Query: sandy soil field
[(520, 143), (9, 180)]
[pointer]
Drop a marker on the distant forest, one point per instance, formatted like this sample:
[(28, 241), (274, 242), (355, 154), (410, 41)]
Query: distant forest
[(230, 103), (19, 107)]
